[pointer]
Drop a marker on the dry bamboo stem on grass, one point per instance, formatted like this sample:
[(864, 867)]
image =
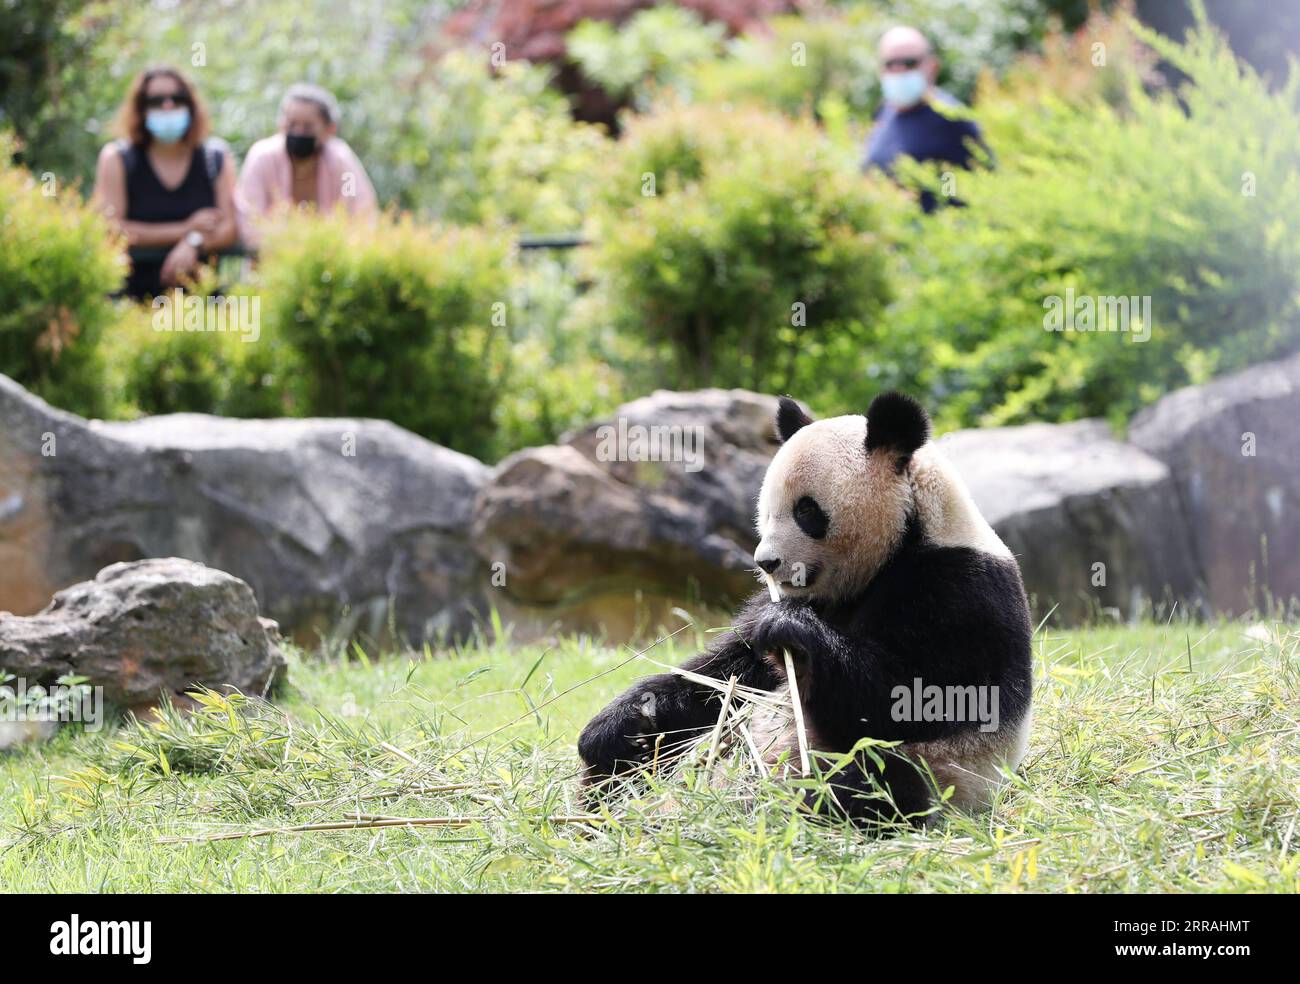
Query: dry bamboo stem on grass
[(398, 791), (304, 828)]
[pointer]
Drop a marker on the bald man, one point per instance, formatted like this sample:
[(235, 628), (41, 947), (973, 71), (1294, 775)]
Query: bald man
[(908, 122)]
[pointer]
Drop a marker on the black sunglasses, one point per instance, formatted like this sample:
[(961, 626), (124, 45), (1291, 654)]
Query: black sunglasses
[(894, 64), (157, 102)]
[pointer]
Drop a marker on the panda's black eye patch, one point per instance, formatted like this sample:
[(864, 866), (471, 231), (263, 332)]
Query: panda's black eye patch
[(810, 517)]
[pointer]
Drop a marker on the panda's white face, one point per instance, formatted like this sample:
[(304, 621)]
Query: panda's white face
[(831, 512)]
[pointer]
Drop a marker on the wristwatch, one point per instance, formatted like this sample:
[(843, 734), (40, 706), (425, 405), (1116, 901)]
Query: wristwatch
[(194, 238)]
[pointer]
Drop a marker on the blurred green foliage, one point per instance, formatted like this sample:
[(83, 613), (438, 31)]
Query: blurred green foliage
[(798, 65), (496, 147), (1187, 198), (742, 248), (155, 368), (734, 242), (394, 320), (656, 49), (58, 264)]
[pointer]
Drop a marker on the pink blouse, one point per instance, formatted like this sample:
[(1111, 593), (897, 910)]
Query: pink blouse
[(267, 180)]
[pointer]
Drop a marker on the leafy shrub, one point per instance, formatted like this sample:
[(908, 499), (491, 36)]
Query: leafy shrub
[(654, 49), (394, 320), (42, 44), (743, 249), (799, 64), (549, 395), (497, 148), (562, 371), (58, 265), (1185, 198), (162, 370)]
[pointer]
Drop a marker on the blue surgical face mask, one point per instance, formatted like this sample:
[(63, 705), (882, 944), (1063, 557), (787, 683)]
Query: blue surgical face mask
[(168, 125), (903, 89)]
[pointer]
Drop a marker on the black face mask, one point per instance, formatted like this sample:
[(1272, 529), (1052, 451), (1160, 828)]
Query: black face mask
[(300, 145)]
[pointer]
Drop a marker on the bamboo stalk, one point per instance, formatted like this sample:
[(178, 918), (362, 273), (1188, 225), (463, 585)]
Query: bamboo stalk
[(759, 764), (450, 787), (304, 828), (797, 705), (393, 749), (717, 728)]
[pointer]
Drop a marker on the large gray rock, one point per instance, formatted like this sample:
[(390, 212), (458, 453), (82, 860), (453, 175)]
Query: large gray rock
[(649, 508), (1066, 498), (146, 629), (1233, 448), (326, 519)]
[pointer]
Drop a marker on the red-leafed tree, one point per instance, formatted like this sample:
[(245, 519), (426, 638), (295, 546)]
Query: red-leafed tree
[(535, 30)]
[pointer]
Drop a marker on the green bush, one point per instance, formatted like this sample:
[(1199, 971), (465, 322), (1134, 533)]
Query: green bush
[(393, 320), (496, 147), (1187, 198), (562, 371), (744, 250), (58, 264), (654, 49), (798, 65), (158, 369)]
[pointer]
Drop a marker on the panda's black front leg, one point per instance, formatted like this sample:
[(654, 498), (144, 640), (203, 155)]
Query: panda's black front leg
[(626, 734), (658, 717)]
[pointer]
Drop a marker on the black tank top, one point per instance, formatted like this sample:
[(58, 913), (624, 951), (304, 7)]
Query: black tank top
[(149, 200)]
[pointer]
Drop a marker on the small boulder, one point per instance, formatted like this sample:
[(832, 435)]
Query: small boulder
[(145, 629), (638, 512)]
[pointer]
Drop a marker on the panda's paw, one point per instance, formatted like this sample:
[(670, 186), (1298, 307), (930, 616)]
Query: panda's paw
[(780, 628), (620, 738)]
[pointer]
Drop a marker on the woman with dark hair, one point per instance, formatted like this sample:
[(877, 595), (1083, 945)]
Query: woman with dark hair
[(165, 183)]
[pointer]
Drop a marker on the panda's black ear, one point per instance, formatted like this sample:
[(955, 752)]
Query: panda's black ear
[(789, 419), (896, 422)]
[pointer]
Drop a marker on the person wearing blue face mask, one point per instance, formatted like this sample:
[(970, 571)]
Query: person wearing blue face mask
[(165, 183), (909, 122)]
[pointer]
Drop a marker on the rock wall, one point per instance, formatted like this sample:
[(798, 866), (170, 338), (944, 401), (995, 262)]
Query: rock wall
[(1232, 448), (344, 523), (358, 526)]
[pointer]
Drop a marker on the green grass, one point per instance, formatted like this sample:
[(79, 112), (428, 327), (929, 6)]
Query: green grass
[(1163, 758)]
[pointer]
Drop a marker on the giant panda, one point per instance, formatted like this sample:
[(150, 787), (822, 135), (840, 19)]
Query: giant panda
[(891, 584)]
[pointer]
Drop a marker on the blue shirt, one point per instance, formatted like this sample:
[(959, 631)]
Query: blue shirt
[(922, 133)]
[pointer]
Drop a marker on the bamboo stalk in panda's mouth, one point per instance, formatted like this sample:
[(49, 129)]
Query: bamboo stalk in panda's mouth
[(773, 589)]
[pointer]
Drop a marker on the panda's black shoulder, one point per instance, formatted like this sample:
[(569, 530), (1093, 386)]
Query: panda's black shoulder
[(957, 591)]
